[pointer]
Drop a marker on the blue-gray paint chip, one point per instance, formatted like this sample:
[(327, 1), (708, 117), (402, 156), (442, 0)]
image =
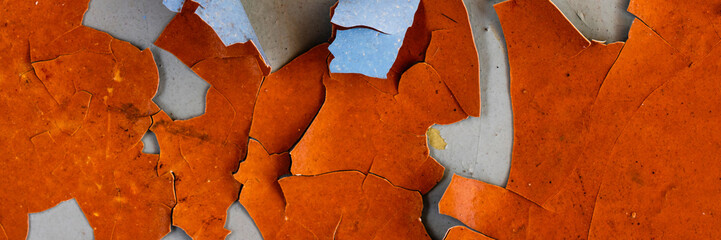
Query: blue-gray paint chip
[(227, 18), (364, 51), (173, 5), (387, 16)]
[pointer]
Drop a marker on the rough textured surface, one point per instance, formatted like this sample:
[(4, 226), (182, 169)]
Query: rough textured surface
[(77, 103), (205, 151), (554, 83), (397, 117), (289, 100), (357, 206), (202, 161), (477, 147), (642, 161), (262, 195), (354, 111)]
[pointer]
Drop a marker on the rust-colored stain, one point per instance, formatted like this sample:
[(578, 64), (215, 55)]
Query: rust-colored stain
[(76, 103), (610, 141)]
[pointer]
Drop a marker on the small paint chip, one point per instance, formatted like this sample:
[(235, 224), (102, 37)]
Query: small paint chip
[(435, 139)]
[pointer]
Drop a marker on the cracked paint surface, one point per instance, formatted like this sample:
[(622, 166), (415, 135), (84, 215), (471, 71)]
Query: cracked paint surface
[(355, 206), (77, 103), (287, 104), (610, 140), (336, 140), (289, 100), (227, 18), (604, 132), (80, 87)]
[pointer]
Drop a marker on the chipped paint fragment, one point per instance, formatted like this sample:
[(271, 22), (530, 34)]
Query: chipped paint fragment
[(386, 16), (376, 30), (364, 51), (435, 139)]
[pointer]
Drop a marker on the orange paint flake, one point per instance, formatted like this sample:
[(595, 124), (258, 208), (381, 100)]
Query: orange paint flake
[(354, 206), (289, 100)]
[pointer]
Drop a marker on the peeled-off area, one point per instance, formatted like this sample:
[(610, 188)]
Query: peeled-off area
[(192, 40)]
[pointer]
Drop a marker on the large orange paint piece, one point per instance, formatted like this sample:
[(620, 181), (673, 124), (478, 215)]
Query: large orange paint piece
[(343, 205), (494, 211), (236, 71), (76, 103), (378, 126), (289, 100), (354, 206), (553, 84), (262, 195), (664, 170), (361, 128), (441, 36), (639, 160), (692, 27)]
